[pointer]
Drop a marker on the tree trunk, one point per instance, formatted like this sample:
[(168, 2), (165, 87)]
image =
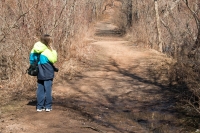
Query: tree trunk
[(158, 26)]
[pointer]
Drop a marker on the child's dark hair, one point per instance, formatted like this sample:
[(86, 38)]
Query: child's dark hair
[(45, 39)]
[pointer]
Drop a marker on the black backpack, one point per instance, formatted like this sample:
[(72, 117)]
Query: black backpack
[(33, 68)]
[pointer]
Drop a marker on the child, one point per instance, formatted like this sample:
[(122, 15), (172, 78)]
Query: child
[(47, 57)]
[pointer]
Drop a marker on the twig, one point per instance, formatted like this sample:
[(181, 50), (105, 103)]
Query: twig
[(194, 14), (57, 20), (172, 7), (23, 15), (197, 110), (93, 128)]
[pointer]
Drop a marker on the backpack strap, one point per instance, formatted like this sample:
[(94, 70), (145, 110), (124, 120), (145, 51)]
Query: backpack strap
[(38, 59)]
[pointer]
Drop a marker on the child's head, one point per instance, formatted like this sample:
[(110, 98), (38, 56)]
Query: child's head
[(45, 39)]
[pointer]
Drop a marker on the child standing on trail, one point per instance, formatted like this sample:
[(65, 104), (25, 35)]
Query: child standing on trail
[(47, 57)]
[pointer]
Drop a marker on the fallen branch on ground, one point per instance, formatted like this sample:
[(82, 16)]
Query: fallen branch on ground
[(93, 128)]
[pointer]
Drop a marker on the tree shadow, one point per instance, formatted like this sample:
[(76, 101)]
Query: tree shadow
[(32, 102), (154, 111), (110, 33), (153, 114)]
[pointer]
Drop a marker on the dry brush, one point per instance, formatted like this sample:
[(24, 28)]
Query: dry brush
[(23, 21)]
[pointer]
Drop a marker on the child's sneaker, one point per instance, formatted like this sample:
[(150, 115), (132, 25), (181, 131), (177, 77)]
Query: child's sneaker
[(48, 110), (39, 110)]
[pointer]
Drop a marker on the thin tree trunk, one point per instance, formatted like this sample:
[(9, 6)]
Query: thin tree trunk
[(158, 26)]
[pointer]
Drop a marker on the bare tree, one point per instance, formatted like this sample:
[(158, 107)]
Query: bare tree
[(158, 27)]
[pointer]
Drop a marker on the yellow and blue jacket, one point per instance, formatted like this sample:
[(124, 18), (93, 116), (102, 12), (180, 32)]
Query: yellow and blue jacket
[(47, 58)]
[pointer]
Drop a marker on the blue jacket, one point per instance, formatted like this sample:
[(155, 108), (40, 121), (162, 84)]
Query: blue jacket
[(47, 58)]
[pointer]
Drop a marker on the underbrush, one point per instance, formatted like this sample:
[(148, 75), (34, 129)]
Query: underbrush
[(185, 75)]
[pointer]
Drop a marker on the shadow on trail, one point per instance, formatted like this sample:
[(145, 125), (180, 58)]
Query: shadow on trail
[(110, 33), (146, 102)]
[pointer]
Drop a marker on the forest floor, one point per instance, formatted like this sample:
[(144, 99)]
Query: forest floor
[(124, 90)]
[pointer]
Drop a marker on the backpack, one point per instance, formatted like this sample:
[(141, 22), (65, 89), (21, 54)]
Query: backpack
[(33, 68)]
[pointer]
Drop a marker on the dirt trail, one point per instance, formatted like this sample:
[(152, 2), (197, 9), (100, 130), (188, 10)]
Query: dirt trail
[(123, 91), (120, 93)]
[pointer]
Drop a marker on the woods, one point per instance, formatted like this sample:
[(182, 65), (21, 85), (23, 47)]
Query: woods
[(171, 27), (23, 21)]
